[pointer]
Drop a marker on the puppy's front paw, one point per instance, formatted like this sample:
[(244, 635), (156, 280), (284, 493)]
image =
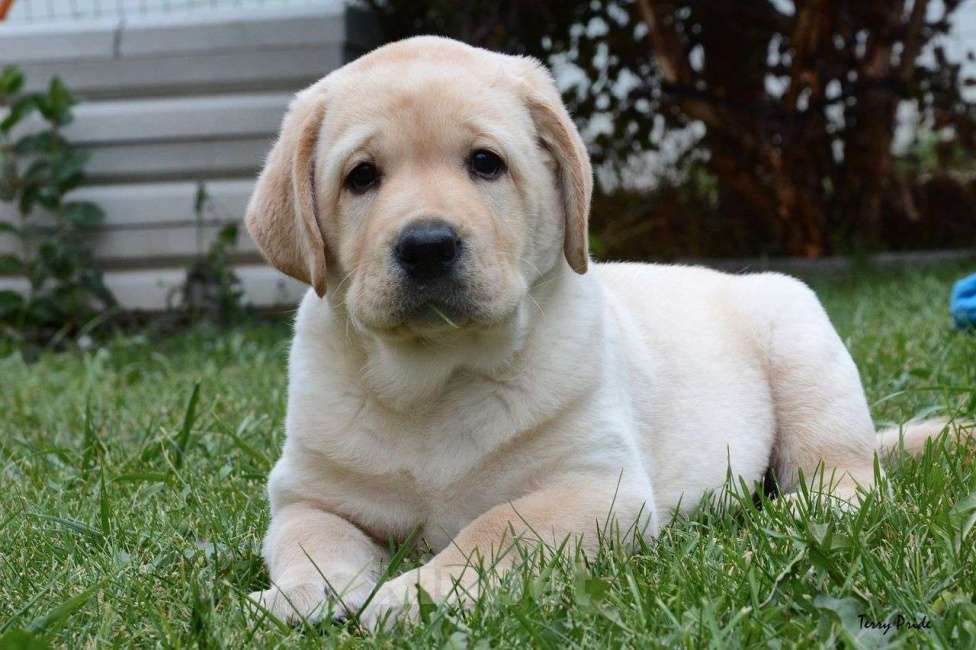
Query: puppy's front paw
[(394, 601), (312, 601), (295, 603)]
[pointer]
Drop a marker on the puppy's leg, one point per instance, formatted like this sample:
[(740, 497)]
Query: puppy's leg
[(579, 512), (310, 553), (824, 427)]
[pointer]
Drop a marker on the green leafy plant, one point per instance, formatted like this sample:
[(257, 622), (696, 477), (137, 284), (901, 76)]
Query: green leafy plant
[(211, 290), (38, 168)]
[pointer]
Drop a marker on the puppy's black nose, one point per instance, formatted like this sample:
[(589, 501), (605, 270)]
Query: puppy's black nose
[(427, 250)]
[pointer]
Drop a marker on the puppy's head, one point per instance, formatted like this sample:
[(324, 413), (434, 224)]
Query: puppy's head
[(429, 183)]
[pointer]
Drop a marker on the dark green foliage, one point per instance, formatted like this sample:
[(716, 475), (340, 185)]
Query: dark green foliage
[(66, 295), (212, 291)]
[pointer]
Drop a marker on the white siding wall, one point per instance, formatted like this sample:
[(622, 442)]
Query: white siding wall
[(47, 11), (171, 101)]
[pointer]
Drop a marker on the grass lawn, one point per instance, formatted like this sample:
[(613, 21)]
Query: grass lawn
[(124, 522)]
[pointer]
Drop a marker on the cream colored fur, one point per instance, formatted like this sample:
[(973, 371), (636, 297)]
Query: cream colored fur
[(563, 400)]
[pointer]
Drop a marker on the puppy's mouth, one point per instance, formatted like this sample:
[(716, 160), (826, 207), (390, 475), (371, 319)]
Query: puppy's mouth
[(437, 311), (434, 318)]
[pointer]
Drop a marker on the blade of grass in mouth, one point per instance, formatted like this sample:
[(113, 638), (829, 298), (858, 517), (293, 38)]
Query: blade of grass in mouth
[(443, 316)]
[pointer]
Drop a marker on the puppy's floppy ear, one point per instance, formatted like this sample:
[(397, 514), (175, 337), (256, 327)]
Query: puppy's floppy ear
[(562, 139), (281, 213)]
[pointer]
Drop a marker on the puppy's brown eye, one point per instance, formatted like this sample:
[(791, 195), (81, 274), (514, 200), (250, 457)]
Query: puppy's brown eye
[(363, 177), (486, 164)]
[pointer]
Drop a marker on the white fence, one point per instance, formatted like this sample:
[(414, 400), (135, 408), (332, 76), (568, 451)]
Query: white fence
[(48, 11), (170, 102)]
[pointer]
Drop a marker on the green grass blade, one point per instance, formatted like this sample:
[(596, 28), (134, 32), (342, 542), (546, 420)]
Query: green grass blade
[(104, 509), (142, 477), (53, 618), (72, 525), (183, 439), (444, 317)]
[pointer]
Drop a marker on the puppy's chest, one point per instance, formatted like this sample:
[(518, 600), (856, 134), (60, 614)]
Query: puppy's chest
[(436, 442), (437, 469)]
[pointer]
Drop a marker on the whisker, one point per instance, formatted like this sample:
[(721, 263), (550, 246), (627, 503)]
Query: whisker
[(541, 310), (346, 278)]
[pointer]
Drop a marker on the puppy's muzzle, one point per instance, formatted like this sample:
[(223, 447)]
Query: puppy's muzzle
[(428, 251)]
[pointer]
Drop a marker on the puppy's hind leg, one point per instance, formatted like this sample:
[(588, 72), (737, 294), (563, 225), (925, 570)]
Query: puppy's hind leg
[(824, 426)]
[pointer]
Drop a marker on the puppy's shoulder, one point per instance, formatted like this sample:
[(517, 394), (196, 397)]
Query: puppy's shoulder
[(313, 315), (318, 337)]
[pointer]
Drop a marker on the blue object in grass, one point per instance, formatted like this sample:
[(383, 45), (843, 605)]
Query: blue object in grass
[(962, 304)]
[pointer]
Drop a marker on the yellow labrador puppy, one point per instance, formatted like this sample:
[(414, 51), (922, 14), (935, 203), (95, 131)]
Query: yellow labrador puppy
[(471, 375)]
